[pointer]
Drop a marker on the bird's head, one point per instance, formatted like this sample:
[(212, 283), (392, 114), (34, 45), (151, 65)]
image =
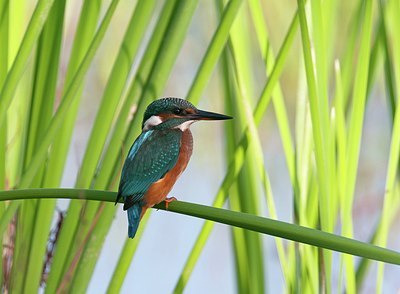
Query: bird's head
[(170, 113)]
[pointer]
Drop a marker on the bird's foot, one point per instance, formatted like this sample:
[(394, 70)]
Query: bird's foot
[(168, 200)]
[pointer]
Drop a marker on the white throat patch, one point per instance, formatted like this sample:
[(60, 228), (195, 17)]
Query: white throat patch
[(151, 122), (184, 126)]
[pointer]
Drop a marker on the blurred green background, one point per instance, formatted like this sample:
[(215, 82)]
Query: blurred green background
[(231, 260)]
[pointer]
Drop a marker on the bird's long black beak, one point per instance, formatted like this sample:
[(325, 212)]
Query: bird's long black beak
[(206, 115)]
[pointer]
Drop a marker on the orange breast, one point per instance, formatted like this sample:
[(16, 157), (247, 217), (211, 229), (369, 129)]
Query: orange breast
[(160, 189)]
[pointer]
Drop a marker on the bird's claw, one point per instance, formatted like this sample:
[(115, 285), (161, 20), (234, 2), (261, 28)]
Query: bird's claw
[(168, 200)]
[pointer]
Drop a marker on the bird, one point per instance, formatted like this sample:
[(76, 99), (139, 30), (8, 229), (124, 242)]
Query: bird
[(158, 156)]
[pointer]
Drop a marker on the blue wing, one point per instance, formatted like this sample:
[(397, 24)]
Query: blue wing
[(151, 156)]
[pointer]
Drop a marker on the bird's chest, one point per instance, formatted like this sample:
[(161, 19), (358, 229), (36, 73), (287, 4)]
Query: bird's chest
[(160, 189)]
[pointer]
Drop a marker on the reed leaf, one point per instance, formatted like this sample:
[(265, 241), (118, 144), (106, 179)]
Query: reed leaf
[(243, 220)]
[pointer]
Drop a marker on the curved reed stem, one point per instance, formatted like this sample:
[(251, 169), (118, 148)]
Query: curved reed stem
[(238, 219)]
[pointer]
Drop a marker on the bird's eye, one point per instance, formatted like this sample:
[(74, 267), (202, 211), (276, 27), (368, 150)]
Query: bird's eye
[(177, 111)]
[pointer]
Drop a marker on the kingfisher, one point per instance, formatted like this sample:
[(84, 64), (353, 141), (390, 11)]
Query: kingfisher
[(158, 156)]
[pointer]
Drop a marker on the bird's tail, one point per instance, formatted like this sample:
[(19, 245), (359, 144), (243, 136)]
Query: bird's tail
[(134, 213)]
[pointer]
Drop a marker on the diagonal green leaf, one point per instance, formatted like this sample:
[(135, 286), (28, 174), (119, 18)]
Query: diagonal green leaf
[(35, 26)]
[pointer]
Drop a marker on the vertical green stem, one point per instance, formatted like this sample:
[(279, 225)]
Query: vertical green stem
[(125, 258), (47, 64), (111, 97), (236, 163), (17, 68), (4, 11), (354, 134), (166, 57)]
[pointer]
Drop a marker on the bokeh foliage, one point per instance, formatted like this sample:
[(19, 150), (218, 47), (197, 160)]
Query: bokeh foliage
[(339, 59)]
